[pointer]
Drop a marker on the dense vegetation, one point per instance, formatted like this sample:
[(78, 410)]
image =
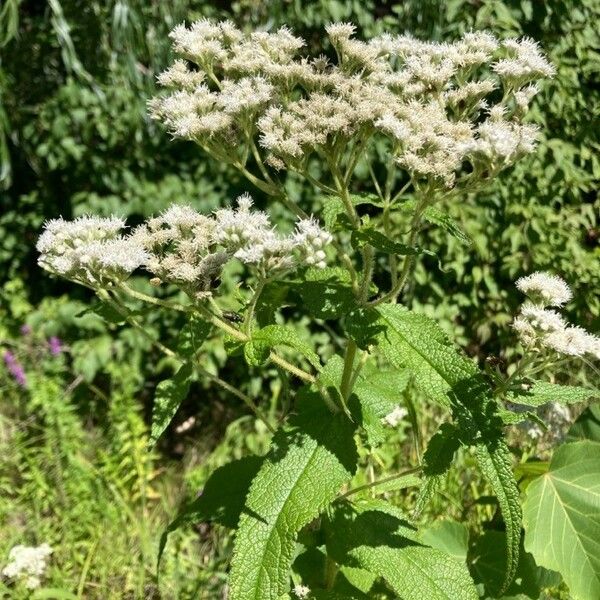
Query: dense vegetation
[(78, 381)]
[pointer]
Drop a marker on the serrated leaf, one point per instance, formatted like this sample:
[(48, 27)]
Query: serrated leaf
[(436, 216), (374, 396), (257, 350), (169, 394), (310, 460), (326, 293), (495, 463), (221, 501), (377, 537), (381, 242), (542, 392), (192, 336), (436, 462), (271, 299), (413, 341), (562, 518), (488, 559), (333, 207)]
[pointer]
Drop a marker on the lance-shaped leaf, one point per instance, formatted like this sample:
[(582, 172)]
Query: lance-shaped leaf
[(258, 348), (377, 537), (310, 460), (438, 217), (562, 518), (542, 392), (169, 394), (221, 501), (192, 336), (495, 464)]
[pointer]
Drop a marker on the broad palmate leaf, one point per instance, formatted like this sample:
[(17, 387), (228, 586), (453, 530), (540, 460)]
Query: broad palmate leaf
[(562, 518), (376, 536), (310, 460)]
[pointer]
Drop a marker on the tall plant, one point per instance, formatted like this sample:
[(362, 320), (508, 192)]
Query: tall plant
[(431, 123)]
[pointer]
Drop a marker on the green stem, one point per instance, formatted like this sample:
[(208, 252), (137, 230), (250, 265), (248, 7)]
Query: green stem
[(373, 484), (249, 318)]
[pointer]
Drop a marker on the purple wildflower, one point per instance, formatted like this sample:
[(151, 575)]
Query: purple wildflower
[(56, 346), (15, 368), (25, 329)]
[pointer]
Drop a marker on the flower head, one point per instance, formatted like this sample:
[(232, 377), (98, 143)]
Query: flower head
[(28, 564), (545, 289)]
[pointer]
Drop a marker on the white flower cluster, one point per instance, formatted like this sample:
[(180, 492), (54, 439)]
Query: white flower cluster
[(180, 246), (539, 327), (427, 98), (89, 249), (27, 564)]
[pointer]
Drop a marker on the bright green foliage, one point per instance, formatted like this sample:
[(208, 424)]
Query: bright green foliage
[(587, 426), (326, 293), (495, 463), (450, 537), (192, 336), (542, 392), (169, 394), (377, 537), (562, 518), (258, 348), (310, 459), (413, 341)]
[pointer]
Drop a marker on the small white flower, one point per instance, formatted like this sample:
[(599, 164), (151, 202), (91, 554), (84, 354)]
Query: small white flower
[(548, 290), (395, 417), (27, 563), (301, 591)]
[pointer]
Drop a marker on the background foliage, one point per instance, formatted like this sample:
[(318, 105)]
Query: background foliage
[(74, 138)]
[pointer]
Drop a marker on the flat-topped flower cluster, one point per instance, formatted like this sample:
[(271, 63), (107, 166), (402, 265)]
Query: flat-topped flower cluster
[(27, 564), (180, 246), (539, 327), (439, 105)]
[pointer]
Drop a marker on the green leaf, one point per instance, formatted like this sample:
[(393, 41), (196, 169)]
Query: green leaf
[(377, 537), (413, 341), (221, 501), (488, 557), (257, 350), (447, 223), (562, 518), (495, 463), (334, 210), (311, 458), (192, 336), (326, 293), (381, 242), (271, 299), (542, 392), (169, 394), (436, 462), (448, 536), (374, 396), (587, 426)]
